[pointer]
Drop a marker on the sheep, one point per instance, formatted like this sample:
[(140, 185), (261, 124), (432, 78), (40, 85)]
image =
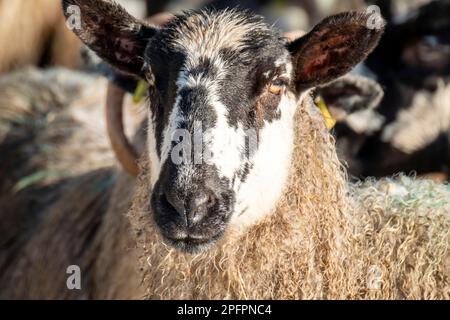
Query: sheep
[(39, 146), (41, 113), (326, 239), (295, 230), (51, 126), (412, 215), (353, 102)]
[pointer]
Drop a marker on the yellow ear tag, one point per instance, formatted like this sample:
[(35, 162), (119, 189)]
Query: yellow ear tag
[(140, 91), (329, 121)]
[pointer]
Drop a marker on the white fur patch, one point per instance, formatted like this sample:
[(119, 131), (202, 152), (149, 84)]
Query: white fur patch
[(175, 119), (225, 143), (259, 194)]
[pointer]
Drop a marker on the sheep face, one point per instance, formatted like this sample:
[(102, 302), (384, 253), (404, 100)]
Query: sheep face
[(224, 87)]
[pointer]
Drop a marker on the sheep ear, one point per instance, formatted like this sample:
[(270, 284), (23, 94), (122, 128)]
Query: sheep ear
[(334, 47), (351, 94), (112, 33), (354, 100)]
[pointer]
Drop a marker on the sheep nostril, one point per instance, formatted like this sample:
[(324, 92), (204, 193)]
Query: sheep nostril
[(200, 206), (206, 200), (211, 200), (172, 202)]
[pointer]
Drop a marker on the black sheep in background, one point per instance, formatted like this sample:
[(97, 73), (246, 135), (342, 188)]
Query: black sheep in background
[(412, 64)]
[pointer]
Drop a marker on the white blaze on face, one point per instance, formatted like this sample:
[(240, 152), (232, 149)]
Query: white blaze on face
[(224, 144), (175, 118), (259, 194)]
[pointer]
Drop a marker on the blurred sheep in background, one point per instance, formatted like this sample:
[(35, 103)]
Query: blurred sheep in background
[(34, 33), (412, 64)]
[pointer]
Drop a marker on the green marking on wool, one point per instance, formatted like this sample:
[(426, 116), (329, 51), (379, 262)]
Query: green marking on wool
[(36, 178), (425, 197)]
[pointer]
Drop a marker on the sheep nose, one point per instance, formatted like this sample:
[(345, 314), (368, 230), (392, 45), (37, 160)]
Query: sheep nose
[(199, 204), (193, 208)]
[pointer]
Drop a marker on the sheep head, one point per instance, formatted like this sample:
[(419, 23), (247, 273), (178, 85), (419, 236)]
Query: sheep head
[(223, 91)]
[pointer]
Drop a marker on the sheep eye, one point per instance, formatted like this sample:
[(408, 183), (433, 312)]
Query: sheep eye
[(277, 87)]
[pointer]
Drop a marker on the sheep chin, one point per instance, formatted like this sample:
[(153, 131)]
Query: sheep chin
[(192, 246)]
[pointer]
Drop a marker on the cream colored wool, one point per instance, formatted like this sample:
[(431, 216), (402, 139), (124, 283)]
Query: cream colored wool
[(403, 235), (324, 240)]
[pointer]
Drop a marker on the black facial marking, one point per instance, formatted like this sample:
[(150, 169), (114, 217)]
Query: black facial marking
[(165, 65), (242, 175), (192, 99), (243, 89), (205, 67), (170, 197)]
